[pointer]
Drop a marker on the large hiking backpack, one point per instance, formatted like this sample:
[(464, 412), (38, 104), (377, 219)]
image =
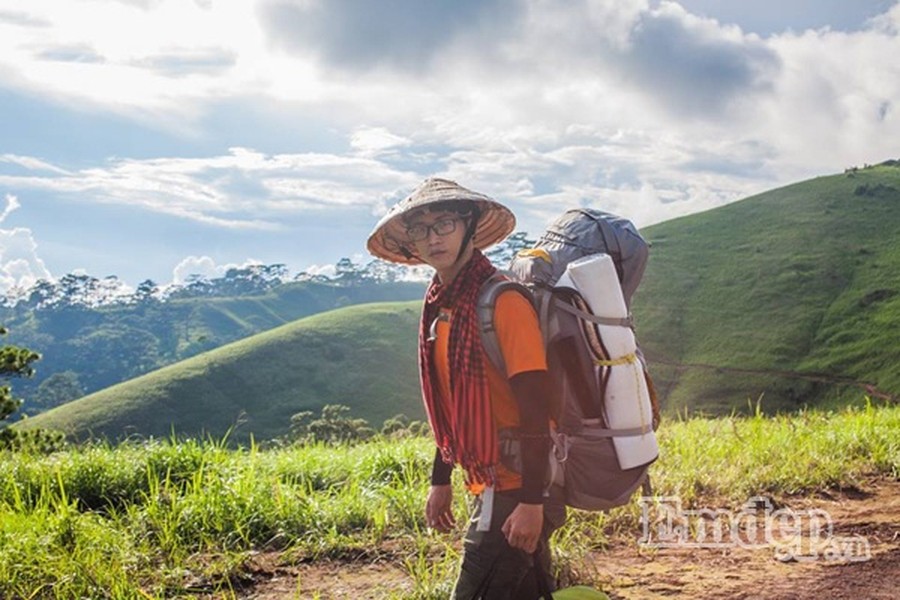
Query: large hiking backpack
[(604, 406)]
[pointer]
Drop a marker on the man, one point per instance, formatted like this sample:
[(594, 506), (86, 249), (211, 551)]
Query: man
[(473, 408)]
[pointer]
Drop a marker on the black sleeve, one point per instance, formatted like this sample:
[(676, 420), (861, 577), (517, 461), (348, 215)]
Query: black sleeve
[(440, 471), (532, 392)]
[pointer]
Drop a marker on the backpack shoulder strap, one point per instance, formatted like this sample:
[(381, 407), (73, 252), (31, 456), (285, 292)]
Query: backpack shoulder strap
[(487, 303)]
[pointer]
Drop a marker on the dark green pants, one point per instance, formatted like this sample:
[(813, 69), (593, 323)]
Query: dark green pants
[(492, 569)]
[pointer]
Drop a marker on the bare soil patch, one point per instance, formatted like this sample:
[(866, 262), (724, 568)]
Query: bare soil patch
[(628, 570)]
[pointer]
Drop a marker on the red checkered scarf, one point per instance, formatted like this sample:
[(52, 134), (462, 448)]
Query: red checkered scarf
[(463, 424)]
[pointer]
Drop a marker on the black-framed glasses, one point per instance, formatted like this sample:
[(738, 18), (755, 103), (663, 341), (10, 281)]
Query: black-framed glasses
[(418, 233)]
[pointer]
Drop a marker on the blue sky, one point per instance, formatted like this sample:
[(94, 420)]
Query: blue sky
[(158, 138)]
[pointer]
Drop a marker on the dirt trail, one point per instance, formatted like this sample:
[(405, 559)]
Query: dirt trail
[(628, 570)]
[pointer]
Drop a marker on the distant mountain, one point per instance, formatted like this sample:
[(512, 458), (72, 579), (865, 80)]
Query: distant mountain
[(361, 356), (792, 296)]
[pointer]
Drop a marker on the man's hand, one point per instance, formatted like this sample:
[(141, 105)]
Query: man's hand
[(523, 527), (439, 508)]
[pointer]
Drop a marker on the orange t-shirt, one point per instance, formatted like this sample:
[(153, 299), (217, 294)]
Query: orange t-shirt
[(522, 346)]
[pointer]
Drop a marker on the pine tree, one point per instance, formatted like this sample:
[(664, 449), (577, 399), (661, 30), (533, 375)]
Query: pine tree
[(16, 362)]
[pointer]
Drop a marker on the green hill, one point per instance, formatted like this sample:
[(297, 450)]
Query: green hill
[(91, 348), (361, 356), (793, 294)]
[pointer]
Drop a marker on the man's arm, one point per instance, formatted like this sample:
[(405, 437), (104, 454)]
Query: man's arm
[(524, 525), (440, 471), (439, 505), (532, 392)]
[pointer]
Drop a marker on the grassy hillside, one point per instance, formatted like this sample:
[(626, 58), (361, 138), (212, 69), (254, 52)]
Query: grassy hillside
[(97, 347), (361, 356), (793, 294)]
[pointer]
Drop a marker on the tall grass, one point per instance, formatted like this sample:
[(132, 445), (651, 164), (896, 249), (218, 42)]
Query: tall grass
[(732, 458), (165, 519)]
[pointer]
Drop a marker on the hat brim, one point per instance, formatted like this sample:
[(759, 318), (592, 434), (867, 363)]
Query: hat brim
[(388, 239)]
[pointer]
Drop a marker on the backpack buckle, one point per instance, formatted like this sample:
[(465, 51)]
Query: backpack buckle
[(560, 447)]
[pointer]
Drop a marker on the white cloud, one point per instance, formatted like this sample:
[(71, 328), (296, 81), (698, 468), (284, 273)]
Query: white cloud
[(12, 203), (31, 163), (20, 265), (328, 270), (889, 22), (836, 103), (205, 267), (372, 141), (159, 59), (244, 189)]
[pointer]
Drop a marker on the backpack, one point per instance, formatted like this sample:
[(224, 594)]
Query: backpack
[(604, 405)]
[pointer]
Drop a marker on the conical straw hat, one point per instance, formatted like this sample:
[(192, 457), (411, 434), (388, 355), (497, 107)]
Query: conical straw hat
[(388, 240)]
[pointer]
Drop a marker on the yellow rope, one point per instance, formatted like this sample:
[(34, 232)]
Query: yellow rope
[(616, 362), (537, 253), (628, 359)]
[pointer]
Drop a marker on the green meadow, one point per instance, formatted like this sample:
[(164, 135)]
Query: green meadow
[(182, 519)]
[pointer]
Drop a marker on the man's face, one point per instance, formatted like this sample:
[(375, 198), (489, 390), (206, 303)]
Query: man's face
[(437, 237)]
